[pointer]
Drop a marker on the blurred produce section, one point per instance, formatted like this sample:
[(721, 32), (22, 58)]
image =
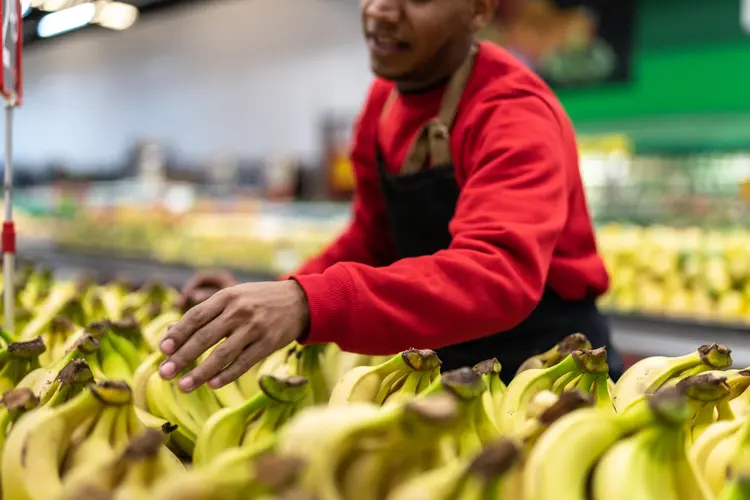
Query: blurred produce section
[(681, 272), (656, 270)]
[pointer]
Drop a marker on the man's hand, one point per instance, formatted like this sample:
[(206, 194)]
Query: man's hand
[(256, 319), (202, 286)]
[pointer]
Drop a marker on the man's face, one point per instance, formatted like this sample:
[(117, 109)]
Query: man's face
[(407, 38)]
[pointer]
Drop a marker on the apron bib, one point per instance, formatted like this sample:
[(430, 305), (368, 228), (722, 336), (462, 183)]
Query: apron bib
[(421, 201)]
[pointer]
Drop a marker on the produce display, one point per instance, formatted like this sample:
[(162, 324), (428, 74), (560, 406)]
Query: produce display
[(682, 272), (690, 273), (85, 415)]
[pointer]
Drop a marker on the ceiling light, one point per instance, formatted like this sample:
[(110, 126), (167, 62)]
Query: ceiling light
[(66, 20), (115, 15), (25, 7)]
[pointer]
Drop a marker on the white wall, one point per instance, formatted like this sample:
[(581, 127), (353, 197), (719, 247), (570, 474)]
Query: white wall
[(251, 76)]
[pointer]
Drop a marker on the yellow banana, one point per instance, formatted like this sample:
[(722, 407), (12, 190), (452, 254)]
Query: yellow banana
[(36, 448), (649, 374)]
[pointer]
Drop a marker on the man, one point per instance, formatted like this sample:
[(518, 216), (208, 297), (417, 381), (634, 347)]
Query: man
[(470, 233)]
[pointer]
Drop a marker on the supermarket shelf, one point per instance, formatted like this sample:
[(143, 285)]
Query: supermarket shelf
[(67, 264), (638, 335)]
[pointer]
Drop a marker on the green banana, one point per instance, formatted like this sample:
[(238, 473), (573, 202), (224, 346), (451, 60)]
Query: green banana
[(548, 359), (231, 427), (524, 387), (363, 384)]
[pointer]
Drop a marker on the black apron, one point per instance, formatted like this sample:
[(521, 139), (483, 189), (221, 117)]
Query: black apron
[(421, 201)]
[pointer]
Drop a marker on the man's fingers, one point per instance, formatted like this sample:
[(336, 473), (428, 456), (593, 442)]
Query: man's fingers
[(224, 354), (191, 322), (248, 358), (194, 347)]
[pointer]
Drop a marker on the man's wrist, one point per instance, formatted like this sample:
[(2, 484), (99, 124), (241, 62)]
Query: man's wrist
[(304, 310)]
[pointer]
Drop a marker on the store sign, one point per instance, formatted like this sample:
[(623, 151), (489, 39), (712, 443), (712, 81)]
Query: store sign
[(10, 78), (570, 43)]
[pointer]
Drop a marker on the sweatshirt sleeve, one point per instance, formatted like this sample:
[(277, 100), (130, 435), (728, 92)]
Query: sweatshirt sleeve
[(510, 213), (366, 240)]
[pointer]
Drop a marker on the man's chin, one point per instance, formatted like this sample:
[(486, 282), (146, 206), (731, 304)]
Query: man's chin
[(387, 72)]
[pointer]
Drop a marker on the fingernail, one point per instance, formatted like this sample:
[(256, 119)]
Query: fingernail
[(215, 383), (169, 326), (167, 346), (186, 384), (167, 370)]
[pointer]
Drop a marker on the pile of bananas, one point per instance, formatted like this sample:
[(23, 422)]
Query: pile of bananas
[(683, 272), (85, 415)]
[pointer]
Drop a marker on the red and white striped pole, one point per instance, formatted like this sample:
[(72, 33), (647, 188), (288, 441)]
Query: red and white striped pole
[(11, 90)]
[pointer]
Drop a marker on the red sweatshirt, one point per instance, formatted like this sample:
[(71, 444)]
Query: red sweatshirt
[(521, 221)]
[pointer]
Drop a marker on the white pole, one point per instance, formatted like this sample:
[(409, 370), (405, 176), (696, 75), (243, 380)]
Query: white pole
[(8, 233)]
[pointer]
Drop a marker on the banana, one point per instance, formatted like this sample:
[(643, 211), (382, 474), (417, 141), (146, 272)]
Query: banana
[(310, 360), (61, 295), (362, 384), (229, 427), (635, 467), (129, 474), (550, 473), (553, 356), (704, 392), (154, 331), (15, 403), (34, 451), (649, 374), (55, 338), (524, 387), (738, 477), (490, 370), (113, 365)]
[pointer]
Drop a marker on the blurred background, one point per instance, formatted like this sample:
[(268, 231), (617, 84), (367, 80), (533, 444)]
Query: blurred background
[(159, 136)]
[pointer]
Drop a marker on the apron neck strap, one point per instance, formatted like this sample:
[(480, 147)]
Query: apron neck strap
[(433, 141)]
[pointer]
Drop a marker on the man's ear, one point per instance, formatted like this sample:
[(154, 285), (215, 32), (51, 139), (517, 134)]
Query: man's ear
[(484, 13)]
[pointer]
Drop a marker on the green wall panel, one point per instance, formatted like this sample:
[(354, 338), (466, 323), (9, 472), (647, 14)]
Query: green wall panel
[(691, 57)]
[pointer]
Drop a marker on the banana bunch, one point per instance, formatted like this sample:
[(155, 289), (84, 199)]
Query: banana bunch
[(475, 425), (63, 300), (397, 380), (649, 374), (17, 360), (116, 358), (43, 381), (585, 370), (266, 477), (164, 400), (487, 475), (52, 444), (361, 450), (250, 428), (551, 472), (378, 463), (130, 474), (554, 355), (714, 451), (652, 463)]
